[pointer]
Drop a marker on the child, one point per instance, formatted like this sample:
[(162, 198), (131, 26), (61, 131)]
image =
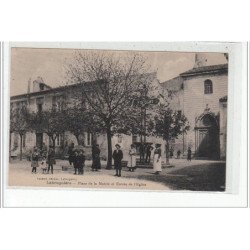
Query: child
[(43, 165)]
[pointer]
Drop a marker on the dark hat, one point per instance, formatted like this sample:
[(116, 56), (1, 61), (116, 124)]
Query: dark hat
[(117, 145)]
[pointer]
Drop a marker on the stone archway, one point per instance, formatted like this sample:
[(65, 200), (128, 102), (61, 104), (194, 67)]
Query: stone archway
[(207, 136)]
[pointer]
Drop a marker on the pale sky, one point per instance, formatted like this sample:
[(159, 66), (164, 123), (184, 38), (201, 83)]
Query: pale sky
[(49, 64)]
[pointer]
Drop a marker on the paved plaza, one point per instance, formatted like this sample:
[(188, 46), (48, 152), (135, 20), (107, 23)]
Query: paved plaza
[(197, 175)]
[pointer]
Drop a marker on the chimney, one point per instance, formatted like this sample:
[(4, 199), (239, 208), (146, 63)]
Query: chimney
[(37, 84), (200, 60)]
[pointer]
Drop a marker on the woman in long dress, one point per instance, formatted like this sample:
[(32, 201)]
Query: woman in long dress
[(132, 158), (157, 159), (96, 163)]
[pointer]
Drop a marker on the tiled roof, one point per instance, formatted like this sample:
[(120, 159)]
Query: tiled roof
[(206, 69), (43, 92), (65, 87)]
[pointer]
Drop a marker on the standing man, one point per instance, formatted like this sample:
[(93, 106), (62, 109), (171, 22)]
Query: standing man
[(71, 153), (142, 152), (51, 159), (34, 159), (117, 156), (148, 153), (171, 152)]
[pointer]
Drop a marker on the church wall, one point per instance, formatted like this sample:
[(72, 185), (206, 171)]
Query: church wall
[(195, 101)]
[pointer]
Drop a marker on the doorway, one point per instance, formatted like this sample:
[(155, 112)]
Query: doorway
[(207, 137)]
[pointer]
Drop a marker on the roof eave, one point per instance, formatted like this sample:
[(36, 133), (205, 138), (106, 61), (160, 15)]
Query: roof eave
[(221, 71)]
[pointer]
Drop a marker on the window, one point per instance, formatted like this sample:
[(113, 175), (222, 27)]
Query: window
[(16, 139), (39, 103), (21, 104), (134, 138), (39, 108), (58, 102), (88, 139), (208, 87), (59, 140), (119, 139)]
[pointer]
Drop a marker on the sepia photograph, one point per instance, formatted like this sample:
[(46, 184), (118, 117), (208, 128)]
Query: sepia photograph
[(126, 119), (118, 119)]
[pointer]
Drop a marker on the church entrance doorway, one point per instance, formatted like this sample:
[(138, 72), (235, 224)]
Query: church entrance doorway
[(207, 137)]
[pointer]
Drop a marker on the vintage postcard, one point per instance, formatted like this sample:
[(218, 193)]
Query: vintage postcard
[(118, 119)]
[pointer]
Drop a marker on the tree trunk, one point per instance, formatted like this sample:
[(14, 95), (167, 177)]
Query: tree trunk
[(94, 138), (53, 142), (109, 138), (77, 138), (167, 152), (21, 147)]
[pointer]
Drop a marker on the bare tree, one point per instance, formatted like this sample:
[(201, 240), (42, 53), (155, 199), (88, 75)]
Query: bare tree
[(110, 83)]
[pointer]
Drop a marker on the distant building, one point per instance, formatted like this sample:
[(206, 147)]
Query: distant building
[(201, 95)]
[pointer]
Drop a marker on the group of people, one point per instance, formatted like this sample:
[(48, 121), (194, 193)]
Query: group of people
[(78, 161), (145, 152), (77, 158), (178, 153), (118, 156), (156, 157), (46, 158), (42, 158)]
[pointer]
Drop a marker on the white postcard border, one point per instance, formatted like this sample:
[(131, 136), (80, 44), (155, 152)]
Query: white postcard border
[(236, 174)]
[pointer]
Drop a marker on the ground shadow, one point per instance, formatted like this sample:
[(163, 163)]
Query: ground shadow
[(205, 177)]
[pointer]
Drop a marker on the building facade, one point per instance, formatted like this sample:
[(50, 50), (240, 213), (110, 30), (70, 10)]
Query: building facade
[(41, 97), (201, 95)]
